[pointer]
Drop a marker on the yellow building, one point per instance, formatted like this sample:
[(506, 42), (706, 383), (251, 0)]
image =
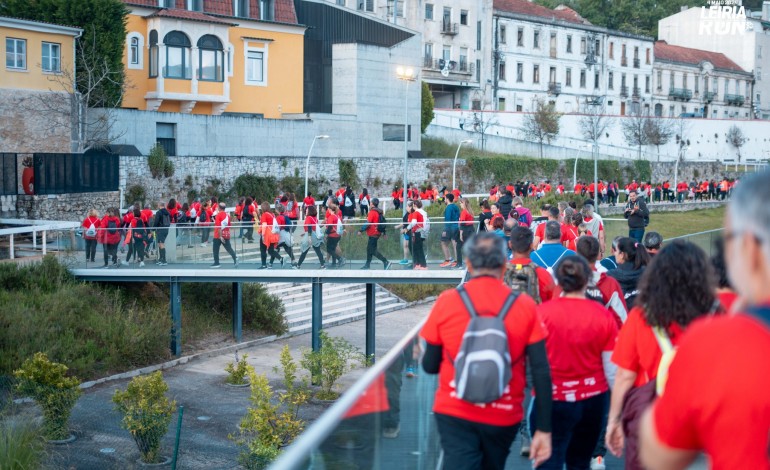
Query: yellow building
[(214, 57), (35, 54)]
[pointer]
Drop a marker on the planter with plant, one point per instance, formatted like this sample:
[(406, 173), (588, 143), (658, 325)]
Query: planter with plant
[(268, 426), (47, 383), (335, 357), (237, 371), (147, 413)]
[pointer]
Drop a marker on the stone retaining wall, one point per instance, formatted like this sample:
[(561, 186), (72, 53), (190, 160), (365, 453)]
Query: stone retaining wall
[(71, 207), (664, 207)]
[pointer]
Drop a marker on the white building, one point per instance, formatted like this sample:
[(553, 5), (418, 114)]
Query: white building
[(742, 37), (699, 83), (558, 56)]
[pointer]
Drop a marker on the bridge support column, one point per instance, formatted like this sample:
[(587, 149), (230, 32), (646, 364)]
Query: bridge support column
[(370, 314), (176, 316), (237, 311), (317, 312)]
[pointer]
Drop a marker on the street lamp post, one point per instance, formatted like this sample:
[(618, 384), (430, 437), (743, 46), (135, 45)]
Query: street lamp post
[(406, 74), (454, 164), (574, 169), (307, 161), (596, 182)]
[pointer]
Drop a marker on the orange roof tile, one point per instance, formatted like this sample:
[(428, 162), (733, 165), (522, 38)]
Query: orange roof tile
[(686, 55), (525, 7)]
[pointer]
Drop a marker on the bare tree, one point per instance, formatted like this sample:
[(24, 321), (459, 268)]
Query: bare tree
[(542, 125), (482, 119), (89, 112), (682, 128), (736, 138), (633, 127), (658, 131), (594, 124)]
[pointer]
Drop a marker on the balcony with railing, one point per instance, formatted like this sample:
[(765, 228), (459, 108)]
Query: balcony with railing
[(624, 61), (680, 94), (554, 88), (437, 65), (636, 63), (624, 91), (636, 93), (736, 100), (450, 28), (709, 96)]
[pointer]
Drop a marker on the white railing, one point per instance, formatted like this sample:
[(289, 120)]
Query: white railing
[(33, 227)]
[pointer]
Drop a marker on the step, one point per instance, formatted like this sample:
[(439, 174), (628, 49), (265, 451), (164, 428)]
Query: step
[(305, 312), (339, 320), (338, 310), (351, 298), (301, 295)]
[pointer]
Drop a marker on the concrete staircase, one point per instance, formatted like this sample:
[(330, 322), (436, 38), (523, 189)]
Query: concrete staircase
[(342, 303)]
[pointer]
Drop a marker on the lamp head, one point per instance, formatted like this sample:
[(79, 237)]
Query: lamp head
[(321, 137), (467, 141)]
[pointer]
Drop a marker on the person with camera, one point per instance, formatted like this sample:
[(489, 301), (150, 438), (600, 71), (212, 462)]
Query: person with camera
[(637, 214)]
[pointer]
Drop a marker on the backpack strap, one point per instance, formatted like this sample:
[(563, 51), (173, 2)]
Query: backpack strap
[(508, 304), (557, 259), (541, 258), (664, 342), (467, 301)]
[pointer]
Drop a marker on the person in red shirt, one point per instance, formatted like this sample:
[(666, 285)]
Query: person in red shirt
[(270, 232), (581, 337), (310, 237), (416, 225), (222, 235), (139, 234), (239, 207), (333, 223), (90, 227), (308, 201), (520, 243), (677, 288), (578, 188), (109, 236), (465, 224), (248, 216), (456, 192), (398, 197), (725, 357), (372, 229), (474, 435), (560, 188), (601, 287), (147, 214), (553, 214)]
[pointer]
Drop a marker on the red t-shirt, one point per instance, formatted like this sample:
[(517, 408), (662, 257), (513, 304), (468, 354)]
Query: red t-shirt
[(267, 218), (418, 221), (579, 331), (456, 193), (310, 223), (727, 299), (146, 215), (637, 349), (373, 218), (87, 224), (221, 216), (445, 327), (466, 219), (331, 220), (238, 211), (716, 397), (609, 288), (309, 201), (578, 188), (544, 280)]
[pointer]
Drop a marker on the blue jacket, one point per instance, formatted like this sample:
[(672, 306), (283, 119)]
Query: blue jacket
[(549, 254), (452, 216)]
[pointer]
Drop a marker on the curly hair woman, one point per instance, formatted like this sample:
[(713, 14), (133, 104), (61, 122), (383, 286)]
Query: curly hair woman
[(632, 259), (678, 287)]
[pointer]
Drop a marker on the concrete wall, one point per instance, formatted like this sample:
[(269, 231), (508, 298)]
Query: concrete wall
[(29, 124), (704, 146), (663, 207)]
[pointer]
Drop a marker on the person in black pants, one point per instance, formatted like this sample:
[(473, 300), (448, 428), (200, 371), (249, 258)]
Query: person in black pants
[(310, 238), (372, 228)]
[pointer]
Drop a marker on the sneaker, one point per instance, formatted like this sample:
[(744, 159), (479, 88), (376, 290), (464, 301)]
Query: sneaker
[(270, 266), (445, 264), (453, 265), (410, 372), (597, 463), (215, 266), (420, 268), (106, 266), (124, 263), (262, 267), (387, 265), (391, 433), (141, 264), (203, 245), (282, 262), (236, 261), (366, 266), (342, 261), (323, 266), (294, 266), (162, 263), (403, 262)]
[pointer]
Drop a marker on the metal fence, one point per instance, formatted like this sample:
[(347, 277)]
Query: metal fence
[(61, 173)]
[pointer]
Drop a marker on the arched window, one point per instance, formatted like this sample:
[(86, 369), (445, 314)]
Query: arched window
[(178, 63), (212, 59), (153, 54), (134, 51)]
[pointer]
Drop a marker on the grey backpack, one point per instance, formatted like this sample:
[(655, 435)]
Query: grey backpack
[(483, 363)]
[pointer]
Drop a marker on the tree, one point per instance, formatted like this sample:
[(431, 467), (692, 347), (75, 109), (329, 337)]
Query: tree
[(93, 87), (481, 121), (682, 128), (736, 138), (427, 107), (594, 124), (633, 127), (658, 131), (542, 125), (103, 40)]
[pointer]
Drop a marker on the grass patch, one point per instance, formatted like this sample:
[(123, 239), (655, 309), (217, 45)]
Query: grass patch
[(672, 224), (21, 445), (415, 292), (100, 329), (433, 147)]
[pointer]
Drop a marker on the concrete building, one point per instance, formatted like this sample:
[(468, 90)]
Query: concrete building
[(558, 56), (741, 35), (699, 83)]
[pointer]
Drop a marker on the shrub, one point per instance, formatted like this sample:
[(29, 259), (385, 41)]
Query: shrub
[(296, 184), (146, 413), (21, 446), (136, 193), (46, 382), (159, 163), (510, 169), (329, 363), (348, 174), (415, 292), (262, 188), (237, 370)]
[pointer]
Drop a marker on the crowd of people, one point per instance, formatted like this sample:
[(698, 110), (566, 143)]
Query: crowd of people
[(656, 353)]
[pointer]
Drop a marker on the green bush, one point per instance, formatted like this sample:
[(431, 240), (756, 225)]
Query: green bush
[(237, 370), (21, 446), (296, 184), (510, 169), (146, 413), (348, 174), (136, 193), (47, 383), (262, 188), (415, 292), (159, 162), (329, 363)]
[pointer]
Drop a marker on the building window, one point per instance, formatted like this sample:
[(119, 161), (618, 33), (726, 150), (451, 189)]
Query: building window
[(267, 10), (133, 52), (582, 79), (672, 80), (596, 80), (178, 64), (647, 56), (165, 136), (758, 73), (256, 68), (612, 50), (536, 39), (622, 80), (696, 84), (727, 86), (15, 53), (610, 81), (598, 48), (166, 3), (463, 59), (478, 35), (501, 71), (366, 5), (659, 85), (195, 5), (464, 17), (569, 43), (568, 78), (759, 52), (636, 52), (647, 84), (502, 34), (241, 8), (684, 80), (535, 73), (395, 133), (154, 54), (211, 57), (428, 11), (51, 57), (520, 37), (135, 43), (519, 72), (552, 75), (478, 69), (501, 104), (583, 45), (428, 54)]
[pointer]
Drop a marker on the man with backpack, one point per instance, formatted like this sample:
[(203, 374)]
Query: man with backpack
[(476, 335), (161, 223), (551, 250), (715, 400), (375, 227), (523, 275)]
